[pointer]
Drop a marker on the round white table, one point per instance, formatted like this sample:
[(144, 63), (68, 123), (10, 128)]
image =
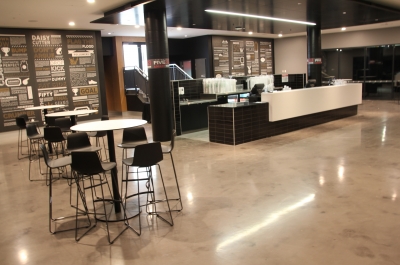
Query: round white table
[(45, 108), (109, 126), (72, 114)]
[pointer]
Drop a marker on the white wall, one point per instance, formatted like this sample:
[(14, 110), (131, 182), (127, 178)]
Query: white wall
[(361, 38), (291, 53)]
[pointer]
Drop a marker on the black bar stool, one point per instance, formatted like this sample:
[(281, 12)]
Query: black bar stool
[(87, 166), (145, 156)]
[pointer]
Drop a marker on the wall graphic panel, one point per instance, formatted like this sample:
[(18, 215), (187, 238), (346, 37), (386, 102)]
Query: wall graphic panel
[(83, 73), (46, 67), (15, 88), (235, 56)]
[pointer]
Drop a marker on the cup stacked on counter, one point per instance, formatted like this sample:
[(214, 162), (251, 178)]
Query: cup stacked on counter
[(218, 85)]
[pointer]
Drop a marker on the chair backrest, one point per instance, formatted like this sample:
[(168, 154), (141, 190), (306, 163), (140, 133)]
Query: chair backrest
[(63, 123), (86, 163), (53, 134), (45, 154), (134, 134), (31, 130), (101, 133), (25, 116), (20, 121), (50, 121), (146, 155), (78, 140)]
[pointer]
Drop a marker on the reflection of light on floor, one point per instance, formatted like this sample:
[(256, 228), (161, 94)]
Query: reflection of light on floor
[(190, 197), (321, 180), (341, 173), (272, 218), (384, 134), (23, 256)]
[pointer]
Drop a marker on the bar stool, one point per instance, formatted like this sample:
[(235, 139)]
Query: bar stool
[(131, 137), (167, 149), (100, 135), (60, 164), (56, 139), (87, 165), (145, 156), (35, 138), (80, 142), (20, 121), (64, 124)]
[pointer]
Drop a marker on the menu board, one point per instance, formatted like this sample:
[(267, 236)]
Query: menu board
[(237, 58), (45, 67), (266, 58), (234, 56), (15, 88), (252, 60), (83, 73), (221, 59)]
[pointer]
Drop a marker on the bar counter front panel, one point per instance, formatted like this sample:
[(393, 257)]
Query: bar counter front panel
[(284, 112)]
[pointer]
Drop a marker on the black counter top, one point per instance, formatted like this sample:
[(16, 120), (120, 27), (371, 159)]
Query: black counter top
[(237, 104)]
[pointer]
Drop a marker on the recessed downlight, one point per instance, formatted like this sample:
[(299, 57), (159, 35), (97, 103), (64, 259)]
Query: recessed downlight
[(71, 23), (343, 29), (179, 28), (280, 35), (91, 1), (250, 32)]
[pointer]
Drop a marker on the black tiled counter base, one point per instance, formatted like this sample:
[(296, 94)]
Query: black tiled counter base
[(243, 124), (238, 124), (293, 124)]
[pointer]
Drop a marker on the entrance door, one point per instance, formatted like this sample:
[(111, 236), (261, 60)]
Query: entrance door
[(200, 66)]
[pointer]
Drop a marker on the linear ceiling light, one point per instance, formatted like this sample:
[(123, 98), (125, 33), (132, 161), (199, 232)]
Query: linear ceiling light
[(260, 17)]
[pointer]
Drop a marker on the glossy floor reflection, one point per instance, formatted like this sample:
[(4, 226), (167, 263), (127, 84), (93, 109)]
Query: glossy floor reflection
[(323, 195)]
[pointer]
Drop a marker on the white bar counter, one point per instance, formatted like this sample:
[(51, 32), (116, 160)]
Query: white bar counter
[(299, 102)]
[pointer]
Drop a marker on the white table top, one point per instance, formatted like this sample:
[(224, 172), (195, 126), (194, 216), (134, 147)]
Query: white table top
[(108, 125), (45, 107), (71, 113)]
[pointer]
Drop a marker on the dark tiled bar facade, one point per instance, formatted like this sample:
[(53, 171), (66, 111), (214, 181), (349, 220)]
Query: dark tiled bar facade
[(237, 123)]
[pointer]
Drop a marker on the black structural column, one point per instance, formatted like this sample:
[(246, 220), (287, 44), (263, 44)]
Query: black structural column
[(158, 65), (314, 54)]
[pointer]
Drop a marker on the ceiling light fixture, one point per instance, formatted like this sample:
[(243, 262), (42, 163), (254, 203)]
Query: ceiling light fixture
[(280, 35), (91, 1), (250, 32), (343, 29), (260, 17), (179, 28), (71, 23)]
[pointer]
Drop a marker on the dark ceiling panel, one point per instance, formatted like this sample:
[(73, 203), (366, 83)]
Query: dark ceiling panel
[(191, 14)]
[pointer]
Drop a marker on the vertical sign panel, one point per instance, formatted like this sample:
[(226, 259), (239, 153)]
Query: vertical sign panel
[(15, 89), (237, 58), (50, 69), (221, 58), (83, 71)]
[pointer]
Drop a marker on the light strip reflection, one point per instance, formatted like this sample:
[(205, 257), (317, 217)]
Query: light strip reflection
[(260, 17), (272, 218)]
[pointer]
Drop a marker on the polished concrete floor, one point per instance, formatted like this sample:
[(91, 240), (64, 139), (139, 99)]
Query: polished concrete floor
[(328, 194)]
